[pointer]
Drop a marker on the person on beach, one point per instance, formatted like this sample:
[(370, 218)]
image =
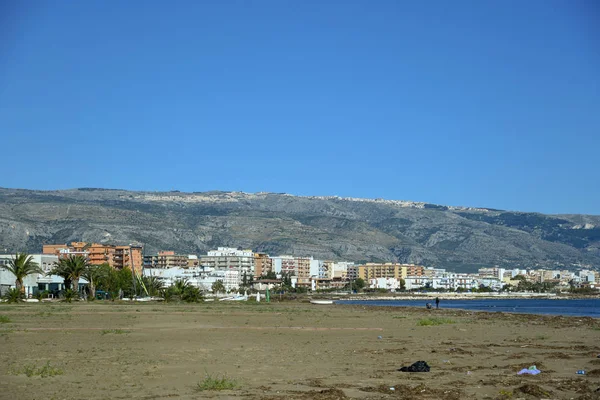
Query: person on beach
[(437, 302)]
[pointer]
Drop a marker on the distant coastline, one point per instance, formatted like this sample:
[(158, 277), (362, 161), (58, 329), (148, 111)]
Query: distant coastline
[(457, 296)]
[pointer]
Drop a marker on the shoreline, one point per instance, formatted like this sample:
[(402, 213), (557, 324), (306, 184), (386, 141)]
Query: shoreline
[(457, 296)]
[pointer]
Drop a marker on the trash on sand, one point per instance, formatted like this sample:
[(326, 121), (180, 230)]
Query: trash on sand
[(392, 388), (419, 366), (581, 372), (469, 373), (379, 337), (529, 371)]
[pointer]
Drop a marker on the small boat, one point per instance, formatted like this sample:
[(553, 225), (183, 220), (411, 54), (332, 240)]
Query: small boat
[(235, 298), (321, 302)]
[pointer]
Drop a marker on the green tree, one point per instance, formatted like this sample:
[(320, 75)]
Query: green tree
[(71, 268), (21, 266), (115, 281), (180, 286), (358, 284), (218, 287), (153, 285), (192, 294), (270, 275), (93, 274)]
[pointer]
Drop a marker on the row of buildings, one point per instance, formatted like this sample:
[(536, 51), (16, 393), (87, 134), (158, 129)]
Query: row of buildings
[(237, 268)]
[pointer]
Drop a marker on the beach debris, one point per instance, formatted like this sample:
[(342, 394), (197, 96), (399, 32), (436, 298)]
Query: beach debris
[(419, 366), (469, 373), (379, 337), (529, 371), (581, 372)]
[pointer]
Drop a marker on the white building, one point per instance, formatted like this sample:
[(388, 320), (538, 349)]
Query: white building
[(33, 282), (230, 259)]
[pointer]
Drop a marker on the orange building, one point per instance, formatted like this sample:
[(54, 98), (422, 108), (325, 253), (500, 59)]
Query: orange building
[(117, 257), (263, 264)]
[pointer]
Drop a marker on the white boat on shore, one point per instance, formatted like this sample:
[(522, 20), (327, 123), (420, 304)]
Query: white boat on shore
[(321, 302), (234, 298)]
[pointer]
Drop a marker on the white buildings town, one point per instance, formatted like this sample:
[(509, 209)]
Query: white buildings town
[(237, 268)]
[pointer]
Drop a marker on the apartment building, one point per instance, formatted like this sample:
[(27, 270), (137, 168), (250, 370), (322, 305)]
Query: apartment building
[(117, 257), (376, 270), (414, 270), (230, 259), (302, 268), (166, 259), (263, 264)]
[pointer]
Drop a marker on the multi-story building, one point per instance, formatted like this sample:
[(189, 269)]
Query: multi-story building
[(117, 257), (263, 264), (166, 259), (414, 270), (388, 270), (229, 258), (302, 268)]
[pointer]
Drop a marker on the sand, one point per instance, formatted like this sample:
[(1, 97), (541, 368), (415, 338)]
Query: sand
[(290, 350)]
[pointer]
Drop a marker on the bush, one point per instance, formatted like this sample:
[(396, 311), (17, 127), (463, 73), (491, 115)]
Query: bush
[(69, 295), (14, 295), (210, 383), (192, 294), (40, 295)]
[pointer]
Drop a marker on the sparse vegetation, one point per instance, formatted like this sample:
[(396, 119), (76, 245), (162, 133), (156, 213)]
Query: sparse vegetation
[(4, 319), (215, 383), (434, 321), (31, 370)]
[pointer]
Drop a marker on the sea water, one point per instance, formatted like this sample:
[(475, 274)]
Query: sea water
[(573, 307)]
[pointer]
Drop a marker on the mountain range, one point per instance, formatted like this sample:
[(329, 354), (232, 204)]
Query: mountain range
[(326, 227)]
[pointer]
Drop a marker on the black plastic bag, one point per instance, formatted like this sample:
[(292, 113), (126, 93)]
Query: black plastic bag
[(419, 366)]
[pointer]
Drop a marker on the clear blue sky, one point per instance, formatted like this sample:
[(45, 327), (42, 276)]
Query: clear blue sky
[(475, 103)]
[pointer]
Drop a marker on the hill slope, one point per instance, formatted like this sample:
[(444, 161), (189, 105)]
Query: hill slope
[(324, 227)]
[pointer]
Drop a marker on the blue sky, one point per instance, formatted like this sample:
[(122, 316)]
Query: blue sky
[(475, 103)]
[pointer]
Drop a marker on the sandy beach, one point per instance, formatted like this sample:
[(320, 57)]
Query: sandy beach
[(290, 350)]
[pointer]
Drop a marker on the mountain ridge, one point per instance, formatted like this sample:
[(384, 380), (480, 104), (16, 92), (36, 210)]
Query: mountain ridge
[(327, 227)]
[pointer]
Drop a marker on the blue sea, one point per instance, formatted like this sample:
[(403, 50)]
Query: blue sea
[(575, 307)]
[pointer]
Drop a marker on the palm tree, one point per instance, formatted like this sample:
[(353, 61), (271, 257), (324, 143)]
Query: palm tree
[(21, 266), (153, 285), (218, 286), (180, 285), (93, 274), (71, 269)]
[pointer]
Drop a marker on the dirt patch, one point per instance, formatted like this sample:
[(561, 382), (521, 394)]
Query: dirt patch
[(420, 391), (594, 373), (534, 390), (326, 394)]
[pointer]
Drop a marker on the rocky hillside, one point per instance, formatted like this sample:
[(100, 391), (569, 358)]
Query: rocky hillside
[(336, 228)]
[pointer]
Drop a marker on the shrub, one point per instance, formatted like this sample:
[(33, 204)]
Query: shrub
[(14, 296), (69, 295), (214, 383), (192, 294)]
